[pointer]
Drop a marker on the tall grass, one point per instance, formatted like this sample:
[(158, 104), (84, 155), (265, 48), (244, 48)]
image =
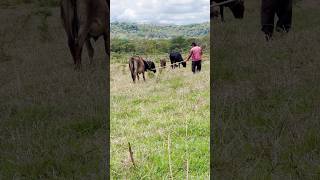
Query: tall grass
[(42, 3), (166, 120), (266, 97), (52, 119)]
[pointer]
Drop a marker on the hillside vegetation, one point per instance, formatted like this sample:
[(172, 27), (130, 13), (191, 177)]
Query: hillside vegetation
[(266, 97), (154, 31)]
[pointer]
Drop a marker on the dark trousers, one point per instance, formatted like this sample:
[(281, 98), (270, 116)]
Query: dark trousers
[(281, 8), (196, 65)]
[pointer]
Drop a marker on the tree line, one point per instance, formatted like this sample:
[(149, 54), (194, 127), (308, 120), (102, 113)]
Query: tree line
[(156, 31), (155, 46)]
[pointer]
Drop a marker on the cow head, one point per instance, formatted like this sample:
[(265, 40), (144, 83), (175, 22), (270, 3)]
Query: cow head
[(184, 64), (150, 66), (237, 8)]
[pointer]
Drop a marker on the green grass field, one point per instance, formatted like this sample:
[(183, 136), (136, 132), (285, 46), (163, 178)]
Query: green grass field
[(170, 103), (266, 97), (52, 119)]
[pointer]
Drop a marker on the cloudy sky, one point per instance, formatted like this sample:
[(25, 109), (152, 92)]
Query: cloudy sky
[(160, 11)]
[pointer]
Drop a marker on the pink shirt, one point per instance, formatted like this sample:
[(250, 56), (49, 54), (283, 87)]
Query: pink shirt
[(196, 53)]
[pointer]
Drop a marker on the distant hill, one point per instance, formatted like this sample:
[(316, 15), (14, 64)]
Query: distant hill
[(151, 31)]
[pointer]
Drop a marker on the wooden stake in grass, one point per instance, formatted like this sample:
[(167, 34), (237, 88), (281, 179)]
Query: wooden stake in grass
[(187, 178), (131, 154), (170, 168)]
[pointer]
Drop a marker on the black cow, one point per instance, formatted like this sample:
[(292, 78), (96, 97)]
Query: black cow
[(236, 7), (176, 57), (138, 65), (283, 10)]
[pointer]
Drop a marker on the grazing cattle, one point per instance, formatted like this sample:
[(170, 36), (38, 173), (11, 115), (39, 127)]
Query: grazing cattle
[(84, 20), (283, 10), (176, 57), (138, 65), (163, 63), (236, 7)]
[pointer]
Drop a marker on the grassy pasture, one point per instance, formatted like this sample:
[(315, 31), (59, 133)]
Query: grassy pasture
[(170, 103), (266, 97), (52, 119)]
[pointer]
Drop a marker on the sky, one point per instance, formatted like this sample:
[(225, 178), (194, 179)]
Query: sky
[(178, 12)]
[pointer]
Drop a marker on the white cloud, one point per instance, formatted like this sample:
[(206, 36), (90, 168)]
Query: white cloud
[(160, 11)]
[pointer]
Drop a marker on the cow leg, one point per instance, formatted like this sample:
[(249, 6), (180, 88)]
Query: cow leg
[(284, 13), (267, 17), (77, 51), (90, 50), (78, 58), (133, 77), (83, 33), (107, 43), (138, 77), (72, 50), (221, 13), (144, 79)]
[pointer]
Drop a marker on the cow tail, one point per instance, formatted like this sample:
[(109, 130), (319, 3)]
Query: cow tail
[(135, 67), (131, 65)]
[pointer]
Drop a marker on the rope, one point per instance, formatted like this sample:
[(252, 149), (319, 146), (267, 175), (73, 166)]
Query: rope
[(222, 3), (172, 64)]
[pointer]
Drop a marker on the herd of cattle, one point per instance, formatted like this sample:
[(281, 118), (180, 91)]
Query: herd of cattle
[(84, 20), (139, 65)]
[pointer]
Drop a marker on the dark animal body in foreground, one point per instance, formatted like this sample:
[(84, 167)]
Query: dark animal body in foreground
[(175, 57), (283, 10), (138, 65), (237, 8), (163, 63), (84, 20)]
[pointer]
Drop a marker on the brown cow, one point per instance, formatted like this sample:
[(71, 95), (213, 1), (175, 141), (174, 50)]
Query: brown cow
[(83, 20), (138, 65), (163, 63)]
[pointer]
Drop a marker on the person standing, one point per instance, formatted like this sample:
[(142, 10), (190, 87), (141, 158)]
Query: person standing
[(195, 54)]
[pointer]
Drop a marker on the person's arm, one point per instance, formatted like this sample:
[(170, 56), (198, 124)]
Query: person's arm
[(190, 54)]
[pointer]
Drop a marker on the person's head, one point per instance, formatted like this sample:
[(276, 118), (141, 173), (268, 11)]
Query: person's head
[(193, 44)]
